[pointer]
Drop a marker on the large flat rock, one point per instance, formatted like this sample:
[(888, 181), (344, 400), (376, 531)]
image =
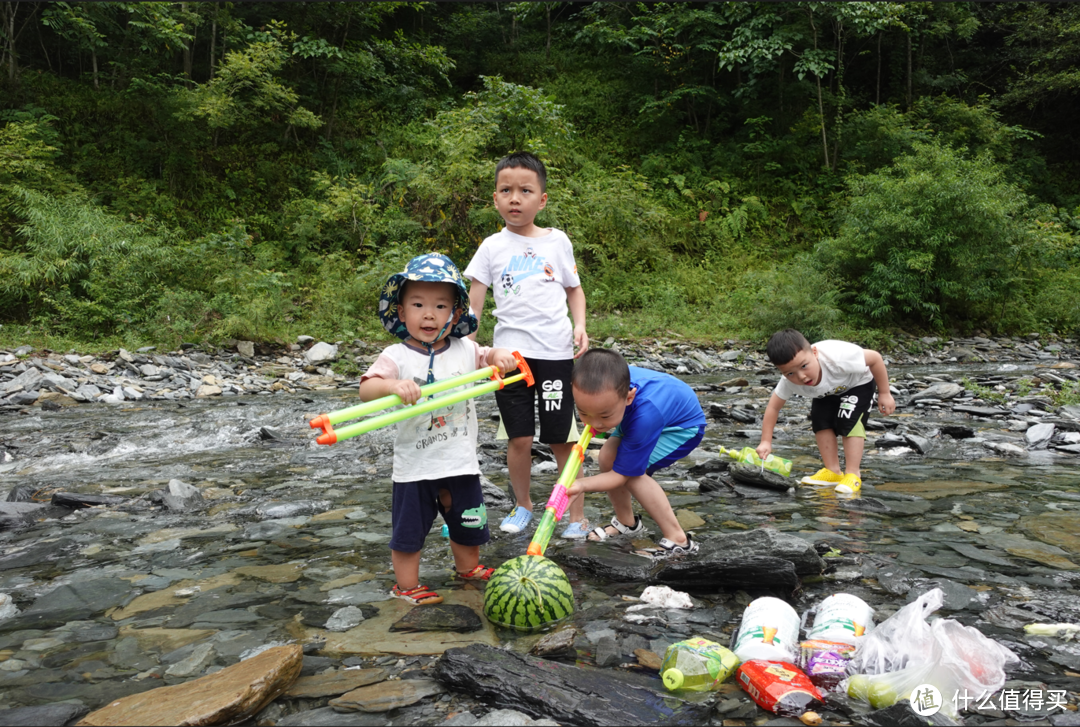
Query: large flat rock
[(565, 693), (750, 475), (229, 696), (72, 602), (937, 489), (1056, 528), (334, 683), (757, 575), (373, 637), (765, 542)]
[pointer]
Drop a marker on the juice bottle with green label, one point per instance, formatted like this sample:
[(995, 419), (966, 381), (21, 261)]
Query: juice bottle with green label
[(696, 665), (747, 455)]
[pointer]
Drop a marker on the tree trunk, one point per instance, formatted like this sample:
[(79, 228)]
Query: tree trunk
[(909, 71), (93, 61), (187, 47), (820, 101), (213, 42), (547, 52), (877, 92), (9, 11)]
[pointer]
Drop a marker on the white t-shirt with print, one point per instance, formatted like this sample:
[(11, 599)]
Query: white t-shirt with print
[(843, 366), (441, 443), (528, 277)]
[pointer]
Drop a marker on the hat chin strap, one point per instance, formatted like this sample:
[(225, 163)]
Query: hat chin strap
[(431, 350)]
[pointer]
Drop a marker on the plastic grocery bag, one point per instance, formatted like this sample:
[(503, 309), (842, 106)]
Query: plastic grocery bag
[(905, 652)]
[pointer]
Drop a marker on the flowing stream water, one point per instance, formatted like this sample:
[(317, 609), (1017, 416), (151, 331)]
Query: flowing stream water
[(999, 534)]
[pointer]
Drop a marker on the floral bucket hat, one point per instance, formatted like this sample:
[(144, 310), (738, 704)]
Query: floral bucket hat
[(429, 268)]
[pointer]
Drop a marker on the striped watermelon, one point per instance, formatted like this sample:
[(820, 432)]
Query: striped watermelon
[(528, 593)]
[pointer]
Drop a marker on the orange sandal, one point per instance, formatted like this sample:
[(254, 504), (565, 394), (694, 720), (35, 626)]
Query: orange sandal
[(419, 596), (479, 573)]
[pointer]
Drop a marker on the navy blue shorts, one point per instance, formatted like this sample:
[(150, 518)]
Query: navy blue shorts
[(415, 505)]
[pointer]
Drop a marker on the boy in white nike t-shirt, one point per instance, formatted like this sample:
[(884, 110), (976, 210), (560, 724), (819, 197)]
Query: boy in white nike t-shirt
[(533, 277), (841, 378)]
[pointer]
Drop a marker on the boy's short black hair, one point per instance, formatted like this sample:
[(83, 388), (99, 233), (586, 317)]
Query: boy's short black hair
[(520, 159), (600, 370), (784, 345)]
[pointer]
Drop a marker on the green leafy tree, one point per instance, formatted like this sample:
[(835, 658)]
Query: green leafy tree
[(937, 236)]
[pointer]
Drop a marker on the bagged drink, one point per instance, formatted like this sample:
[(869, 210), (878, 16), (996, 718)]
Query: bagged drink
[(825, 662), (781, 688), (696, 665), (746, 455), (769, 630)]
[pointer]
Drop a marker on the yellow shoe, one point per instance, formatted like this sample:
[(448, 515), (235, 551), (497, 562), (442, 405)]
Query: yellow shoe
[(823, 476), (849, 485)]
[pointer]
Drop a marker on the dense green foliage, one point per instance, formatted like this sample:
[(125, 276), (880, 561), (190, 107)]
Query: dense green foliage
[(195, 170)]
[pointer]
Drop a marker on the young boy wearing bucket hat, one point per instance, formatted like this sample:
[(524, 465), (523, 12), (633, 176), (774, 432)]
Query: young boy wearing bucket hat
[(435, 465)]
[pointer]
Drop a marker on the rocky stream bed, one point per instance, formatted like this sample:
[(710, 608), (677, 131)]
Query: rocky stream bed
[(167, 521)]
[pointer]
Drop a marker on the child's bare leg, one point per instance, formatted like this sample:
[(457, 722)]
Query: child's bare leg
[(853, 452), (466, 557), (406, 569), (519, 462), (577, 502), (654, 500), (826, 444)]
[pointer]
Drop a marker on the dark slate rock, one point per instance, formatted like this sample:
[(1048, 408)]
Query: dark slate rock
[(764, 542), (71, 602), (565, 693), (708, 467), (745, 416), (606, 563), (757, 575), (887, 441), (607, 652), (922, 445), (980, 411), (312, 665), (327, 717), (21, 493), (863, 504), (35, 554), (494, 496), (439, 617), (957, 596), (958, 431), (750, 475), (46, 715), (77, 500)]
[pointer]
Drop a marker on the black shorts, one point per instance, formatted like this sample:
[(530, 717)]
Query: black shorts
[(845, 413), (415, 505), (551, 396)]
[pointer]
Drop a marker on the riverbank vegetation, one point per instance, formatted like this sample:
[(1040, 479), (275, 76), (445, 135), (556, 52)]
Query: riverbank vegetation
[(203, 171)]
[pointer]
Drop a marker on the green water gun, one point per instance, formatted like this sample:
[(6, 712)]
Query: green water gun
[(559, 500), (747, 455), (330, 435)]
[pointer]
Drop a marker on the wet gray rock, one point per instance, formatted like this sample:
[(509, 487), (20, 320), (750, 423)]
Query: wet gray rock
[(328, 717), (77, 500), (14, 513), (439, 617), (555, 644), (179, 496), (765, 542), (922, 445), (898, 715), (71, 602), (750, 475), (497, 718), (1005, 448), (282, 510), (942, 391), (494, 496), (46, 715), (981, 411), (344, 619), (1039, 435)]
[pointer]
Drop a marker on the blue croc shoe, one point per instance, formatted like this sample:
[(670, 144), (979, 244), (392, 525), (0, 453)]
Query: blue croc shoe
[(518, 519), (576, 530)]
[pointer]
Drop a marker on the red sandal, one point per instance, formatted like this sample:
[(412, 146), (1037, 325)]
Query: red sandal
[(419, 596), (479, 573)]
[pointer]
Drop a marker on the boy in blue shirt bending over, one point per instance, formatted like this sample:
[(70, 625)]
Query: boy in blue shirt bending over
[(655, 420)]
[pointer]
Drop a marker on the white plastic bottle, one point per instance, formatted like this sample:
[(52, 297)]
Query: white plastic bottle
[(769, 631)]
